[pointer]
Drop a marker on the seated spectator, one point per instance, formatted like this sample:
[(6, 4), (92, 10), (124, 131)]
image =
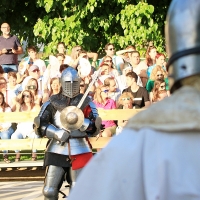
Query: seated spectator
[(61, 48), (53, 69), (2, 74), (22, 71), (160, 60), (125, 102), (25, 129), (112, 71), (9, 95), (34, 72), (12, 83), (140, 94), (34, 60), (32, 85), (159, 91), (125, 53), (150, 60), (118, 62), (103, 74), (6, 129), (121, 80), (101, 100), (113, 90), (54, 86), (76, 54), (157, 73)]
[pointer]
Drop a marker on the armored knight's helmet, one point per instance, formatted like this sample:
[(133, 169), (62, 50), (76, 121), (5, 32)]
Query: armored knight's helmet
[(70, 82), (182, 34)]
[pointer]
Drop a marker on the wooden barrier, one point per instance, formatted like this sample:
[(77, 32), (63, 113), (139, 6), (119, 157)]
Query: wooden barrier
[(40, 143)]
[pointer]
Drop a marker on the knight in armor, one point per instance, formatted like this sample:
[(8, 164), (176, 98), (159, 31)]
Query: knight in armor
[(68, 128), (157, 155)]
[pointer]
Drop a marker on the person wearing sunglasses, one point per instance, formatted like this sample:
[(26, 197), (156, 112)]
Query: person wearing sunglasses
[(25, 129), (118, 62), (159, 91), (125, 101), (102, 101), (158, 73)]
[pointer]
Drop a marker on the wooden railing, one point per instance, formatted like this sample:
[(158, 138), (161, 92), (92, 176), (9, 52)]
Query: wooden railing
[(40, 143)]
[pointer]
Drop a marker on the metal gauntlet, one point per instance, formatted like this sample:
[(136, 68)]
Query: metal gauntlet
[(57, 133)]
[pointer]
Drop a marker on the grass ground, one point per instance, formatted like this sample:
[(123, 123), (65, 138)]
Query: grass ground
[(25, 155)]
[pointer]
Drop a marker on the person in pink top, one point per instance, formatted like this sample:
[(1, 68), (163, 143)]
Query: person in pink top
[(101, 100)]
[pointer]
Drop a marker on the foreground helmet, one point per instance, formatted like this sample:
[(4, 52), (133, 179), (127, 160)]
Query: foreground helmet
[(182, 34), (70, 82)]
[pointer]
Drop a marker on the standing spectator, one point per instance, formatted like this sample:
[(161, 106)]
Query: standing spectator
[(117, 60), (140, 94), (25, 129), (10, 48), (159, 91), (6, 129)]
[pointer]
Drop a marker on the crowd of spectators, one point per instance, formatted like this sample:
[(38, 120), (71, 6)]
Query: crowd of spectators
[(125, 82)]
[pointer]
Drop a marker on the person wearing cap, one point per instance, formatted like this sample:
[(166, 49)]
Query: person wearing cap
[(10, 48), (156, 156)]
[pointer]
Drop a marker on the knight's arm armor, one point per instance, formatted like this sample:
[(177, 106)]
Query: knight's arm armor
[(44, 125), (90, 125)]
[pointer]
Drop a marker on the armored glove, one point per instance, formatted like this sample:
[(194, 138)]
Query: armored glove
[(57, 133), (62, 135)]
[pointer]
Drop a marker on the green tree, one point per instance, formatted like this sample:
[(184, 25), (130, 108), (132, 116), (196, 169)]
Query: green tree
[(89, 23), (22, 16)]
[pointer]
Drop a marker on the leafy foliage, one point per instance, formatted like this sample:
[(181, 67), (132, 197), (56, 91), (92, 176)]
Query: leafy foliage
[(89, 23)]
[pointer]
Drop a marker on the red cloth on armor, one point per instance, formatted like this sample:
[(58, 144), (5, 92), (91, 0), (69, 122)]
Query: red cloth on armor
[(80, 160)]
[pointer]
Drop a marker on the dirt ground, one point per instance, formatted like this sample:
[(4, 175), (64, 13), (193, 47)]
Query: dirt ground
[(28, 173)]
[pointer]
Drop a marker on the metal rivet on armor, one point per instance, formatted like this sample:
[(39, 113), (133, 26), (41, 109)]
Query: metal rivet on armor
[(183, 67), (58, 142)]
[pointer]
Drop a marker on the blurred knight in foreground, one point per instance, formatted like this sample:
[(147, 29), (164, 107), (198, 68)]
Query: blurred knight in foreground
[(157, 154)]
